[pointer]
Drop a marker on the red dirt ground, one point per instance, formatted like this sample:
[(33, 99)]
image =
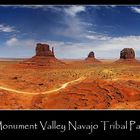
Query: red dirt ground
[(105, 86)]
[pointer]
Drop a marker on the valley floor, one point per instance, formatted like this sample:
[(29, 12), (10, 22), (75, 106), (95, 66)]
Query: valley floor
[(77, 86)]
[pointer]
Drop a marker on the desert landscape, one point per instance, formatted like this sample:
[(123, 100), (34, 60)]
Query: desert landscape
[(69, 57), (45, 82)]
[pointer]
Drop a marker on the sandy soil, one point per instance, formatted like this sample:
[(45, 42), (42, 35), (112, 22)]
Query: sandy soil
[(78, 85)]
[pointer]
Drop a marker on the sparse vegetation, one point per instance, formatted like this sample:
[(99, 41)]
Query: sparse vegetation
[(106, 85)]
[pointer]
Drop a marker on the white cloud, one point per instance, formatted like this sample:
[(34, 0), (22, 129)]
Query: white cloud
[(25, 6), (109, 48), (74, 29), (43, 7), (113, 6), (103, 49), (136, 9), (87, 23), (98, 37), (6, 28), (19, 48), (74, 10), (112, 47), (103, 45), (14, 42), (110, 6), (33, 6)]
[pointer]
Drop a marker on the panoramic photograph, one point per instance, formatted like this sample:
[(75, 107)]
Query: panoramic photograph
[(69, 57)]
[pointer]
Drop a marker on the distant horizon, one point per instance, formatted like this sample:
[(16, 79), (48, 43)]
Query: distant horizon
[(82, 58), (73, 30)]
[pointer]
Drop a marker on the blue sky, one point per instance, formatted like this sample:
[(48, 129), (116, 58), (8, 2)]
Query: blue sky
[(73, 30)]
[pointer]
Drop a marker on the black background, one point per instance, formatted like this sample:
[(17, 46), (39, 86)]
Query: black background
[(83, 116), (69, 1), (62, 117)]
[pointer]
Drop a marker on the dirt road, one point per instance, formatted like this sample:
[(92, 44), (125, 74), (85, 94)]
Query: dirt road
[(45, 92)]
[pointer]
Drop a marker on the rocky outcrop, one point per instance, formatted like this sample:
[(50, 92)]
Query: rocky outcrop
[(91, 55), (44, 57), (44, 50), (127, 53), (127, 56), (91, 58)]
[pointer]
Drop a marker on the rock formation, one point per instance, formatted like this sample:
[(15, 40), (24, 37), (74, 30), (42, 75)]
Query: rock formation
[(91, 58), (91, 55), (44, 57), (44, 50), (127, 55)]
